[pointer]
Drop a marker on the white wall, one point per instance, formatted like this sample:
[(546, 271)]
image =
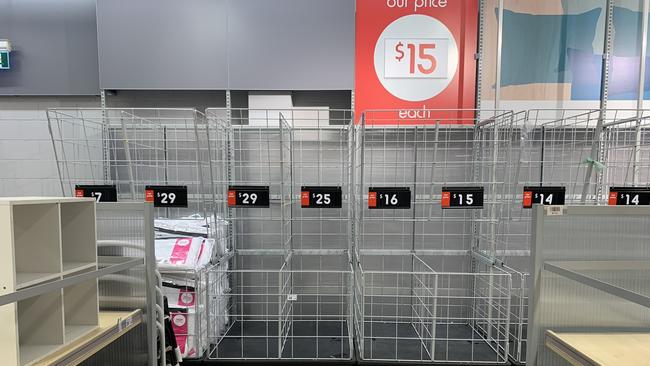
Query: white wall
[(266, 108), (27, 162)]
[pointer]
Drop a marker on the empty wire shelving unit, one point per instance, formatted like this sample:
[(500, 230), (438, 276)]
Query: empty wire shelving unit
[(418, 296), (556, 149), (289, 294), (163, 156), (246, 285), (319, 317)]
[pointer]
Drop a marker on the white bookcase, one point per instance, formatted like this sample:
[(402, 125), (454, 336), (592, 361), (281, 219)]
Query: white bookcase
[(45, 239), (77, 230)]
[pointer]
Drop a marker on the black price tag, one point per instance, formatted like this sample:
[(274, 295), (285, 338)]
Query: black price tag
[(101, 192), (389, 197), (166, 196), (321, 197), (248, 196), (462, 197), (544, 195), (629, 196)]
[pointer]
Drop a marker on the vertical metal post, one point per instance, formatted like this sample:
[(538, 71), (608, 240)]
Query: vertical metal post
[(280, 308), (641, 96), (537, 231), (433, 165), (359, 230), (541, 158), (105, 136), (283, 229), (415, 190), (150, 268), (493, 178), (228, 108), (286, 236), (56, 155), (506, 352), (358, 269), (352, 237), (197, 136), (413, 216), (165, 155), (479, 55), (90, 159), (290, 166), (476, 148), (434, 316), (127, 151), (474, 245), (361, 182), (604, 89), (497, 83), (207, 124), (63, 155), (229, 140), (493, 222), (350, 189), (102, 100)]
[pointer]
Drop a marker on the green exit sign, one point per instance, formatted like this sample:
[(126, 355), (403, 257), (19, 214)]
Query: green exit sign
[(4, 60)]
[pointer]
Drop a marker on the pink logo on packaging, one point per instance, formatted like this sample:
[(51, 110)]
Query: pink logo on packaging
[(179, 324), (186, 298), (180, 251)]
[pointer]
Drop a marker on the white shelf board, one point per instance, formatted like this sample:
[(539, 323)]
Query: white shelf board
[(78, 239), (32, 353), (74, 332), (26, 279), (73, 267)]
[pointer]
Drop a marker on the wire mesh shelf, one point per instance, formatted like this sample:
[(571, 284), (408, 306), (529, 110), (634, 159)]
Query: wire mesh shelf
[(288, 294), (418, 295), (135, 148), (424, 284), (584, 151)]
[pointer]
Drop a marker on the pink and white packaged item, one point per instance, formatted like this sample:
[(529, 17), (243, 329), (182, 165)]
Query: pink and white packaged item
[(186, 309), (190, 225), (180, 296), (184, 326), (206, 254), (181, 253), (193, 225)]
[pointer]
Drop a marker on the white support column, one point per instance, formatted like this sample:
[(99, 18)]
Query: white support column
[(105, 137), (497, 82), (639, 102), (479, 56), (596, 149), (228, 108)]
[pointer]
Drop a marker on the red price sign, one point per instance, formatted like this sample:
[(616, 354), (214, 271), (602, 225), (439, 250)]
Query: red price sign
[(416, 58), (415, 55)]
